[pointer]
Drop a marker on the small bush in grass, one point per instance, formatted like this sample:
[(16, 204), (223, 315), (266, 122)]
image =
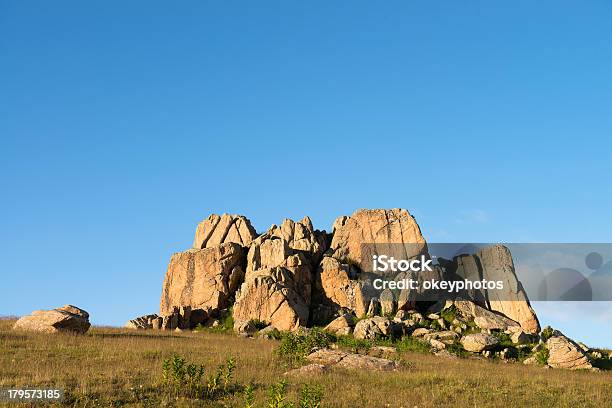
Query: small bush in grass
[(411, 344), (353, 344), (310, 396), (457, 350), (295, 346), (542, 356), (186, 379), (249, 397)]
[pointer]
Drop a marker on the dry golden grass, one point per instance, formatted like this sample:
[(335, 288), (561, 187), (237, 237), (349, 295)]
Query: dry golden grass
[(117, 367)]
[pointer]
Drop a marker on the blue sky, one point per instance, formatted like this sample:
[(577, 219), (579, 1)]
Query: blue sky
[(122, 124)]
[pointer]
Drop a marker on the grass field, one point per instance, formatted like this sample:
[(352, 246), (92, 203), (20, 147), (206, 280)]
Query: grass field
[(118, 367)]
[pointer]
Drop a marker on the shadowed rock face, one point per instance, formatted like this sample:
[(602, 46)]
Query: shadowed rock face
[(67, 318), (495, 263), (202, 278)]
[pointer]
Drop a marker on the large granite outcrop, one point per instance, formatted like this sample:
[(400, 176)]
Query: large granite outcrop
[(203, 278)]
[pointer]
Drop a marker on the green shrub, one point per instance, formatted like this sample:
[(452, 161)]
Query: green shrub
[(249, 398), (542, 356), (457, 350), (295, 346), (547, 333), (408, 343), (277, 396), (449, 314), (353, 344), (310, 396), (186, 379)]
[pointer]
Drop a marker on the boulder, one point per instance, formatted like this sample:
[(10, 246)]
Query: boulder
[(391, 232), (141, 323), (483, 318), (336, 290), (372, 328), (342, 359), (478, 342), (308, 370), (67, 318), (494, 263), (202, 278), (387, 302), (342, 325), (270, 296), (217, 230), (565, 353), (244, 327), (420, 332), (520, 337)]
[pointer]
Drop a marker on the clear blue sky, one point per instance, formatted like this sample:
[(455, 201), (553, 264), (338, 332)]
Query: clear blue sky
[(122, 124)]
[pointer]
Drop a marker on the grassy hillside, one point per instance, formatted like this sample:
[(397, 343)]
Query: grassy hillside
[(117, 367)]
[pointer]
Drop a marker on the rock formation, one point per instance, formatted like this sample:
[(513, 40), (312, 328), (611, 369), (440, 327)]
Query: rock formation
[(217, 230), (293, 276), (67, 318), (203, 278)]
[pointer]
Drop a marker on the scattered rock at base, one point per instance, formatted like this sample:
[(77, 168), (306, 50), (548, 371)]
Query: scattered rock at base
[(308, 370), (478, 342), (244, 327), (342, 325), (372, 328), (565, 353), (142, 322), (342, 359), (67, 318)]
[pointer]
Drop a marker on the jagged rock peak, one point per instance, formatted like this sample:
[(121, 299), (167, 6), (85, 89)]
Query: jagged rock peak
[(216, 230)]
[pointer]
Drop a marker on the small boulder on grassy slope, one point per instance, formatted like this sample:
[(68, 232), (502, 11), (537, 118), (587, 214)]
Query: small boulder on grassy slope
[(478, 342), (67, 318), (565, 353), (342, 359)]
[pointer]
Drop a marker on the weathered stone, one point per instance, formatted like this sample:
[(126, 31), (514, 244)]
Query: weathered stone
[(269, 296), (335, 288), (494, 263), (420, 332), (382, 351), (341, 359), (565, 353), (244, 327), (483, 318), (200, 278), (374, 307), (308, 370), (447, 336), (437, 344), (67, 318), (478, 342), (386, 230), (156, 324), (217, 230), (520, 337), (341, 325), (141, 323), (372, 328), (387, 302)]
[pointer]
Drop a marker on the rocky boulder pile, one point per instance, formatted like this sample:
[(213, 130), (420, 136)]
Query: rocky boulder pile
[(293, 276)]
